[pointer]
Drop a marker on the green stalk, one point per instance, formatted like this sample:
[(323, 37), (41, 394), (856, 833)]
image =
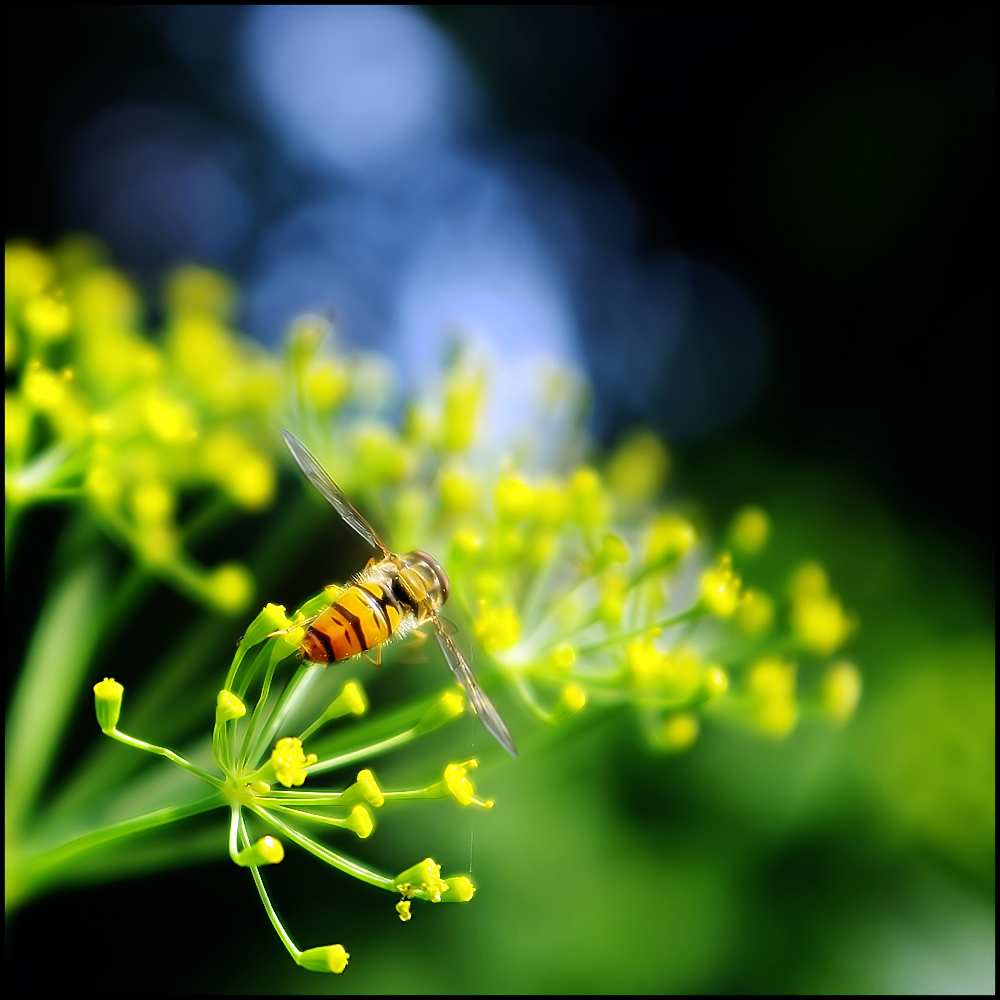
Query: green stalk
[(48, 688)]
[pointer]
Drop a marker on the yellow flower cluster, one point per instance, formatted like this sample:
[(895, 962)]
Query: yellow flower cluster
[(578, 587), (101, 413)]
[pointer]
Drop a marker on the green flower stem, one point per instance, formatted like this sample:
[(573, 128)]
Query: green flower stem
[(105, 766), (296, 691), (418, 793), (364, 753), (285, 795), (541, 588), (311, 816), (324, 853), (736, 657), (380, 729), (650, 570), (529, 698), (692, 614), (175, 758), (53, 494), (248, 737), (235, 823), (276, 923), (58, 658), (219, 745), (43, 867)]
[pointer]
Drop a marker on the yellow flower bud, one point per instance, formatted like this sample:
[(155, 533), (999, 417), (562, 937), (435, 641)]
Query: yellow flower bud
[(198, 290), (351, 701), (638, 468), (720, 588), (228, 706), (840, 690), (614, 587), (678, 731), (563, 657), (290, 761), (809, 580), (515, 499), (44, 388), (11, 346), (670, 539), (266, 851), (771, 678), (750, 531), (460, 787), (458, 492), (152, 502), (463, 400), (48, 317), (754, 613), (170, 419), (230, 586), (327, 386), (551, 503), (714, 682), (330, 958), (820, 623), (572, 700), (771, 683), (368, 787), (589, 503), (360, 821), (27, 272), (108, 703), (497, 628), (450, 705), (423, 880), (460, 889), (645, 661)]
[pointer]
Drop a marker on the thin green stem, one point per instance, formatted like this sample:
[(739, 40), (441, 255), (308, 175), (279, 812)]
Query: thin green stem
[(324, 853), (175, 758), (276, 923), (372, 750), (296, 690), (312, 816), (58, 657), (246, 755), (43, 866), (692, 614)]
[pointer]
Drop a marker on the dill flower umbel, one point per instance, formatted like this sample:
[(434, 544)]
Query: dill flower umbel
[(576, 587)]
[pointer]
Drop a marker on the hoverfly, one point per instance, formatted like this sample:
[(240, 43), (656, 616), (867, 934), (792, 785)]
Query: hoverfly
[(386, 600)]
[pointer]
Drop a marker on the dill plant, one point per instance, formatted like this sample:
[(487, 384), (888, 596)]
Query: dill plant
[(581, 590)]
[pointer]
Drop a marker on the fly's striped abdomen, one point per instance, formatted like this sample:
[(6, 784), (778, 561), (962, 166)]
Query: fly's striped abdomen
[(362, 616)]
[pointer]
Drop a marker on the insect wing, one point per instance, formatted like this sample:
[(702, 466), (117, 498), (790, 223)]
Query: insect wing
[(319, 477), (482, 705)]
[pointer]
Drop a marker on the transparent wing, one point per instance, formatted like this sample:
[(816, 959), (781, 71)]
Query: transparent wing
[(319, 477), (482, 705)]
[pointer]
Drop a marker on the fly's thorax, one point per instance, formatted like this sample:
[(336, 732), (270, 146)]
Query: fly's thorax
[(424, 580)]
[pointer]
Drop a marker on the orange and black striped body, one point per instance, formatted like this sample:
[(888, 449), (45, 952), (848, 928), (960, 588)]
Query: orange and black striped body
[(372, 610)]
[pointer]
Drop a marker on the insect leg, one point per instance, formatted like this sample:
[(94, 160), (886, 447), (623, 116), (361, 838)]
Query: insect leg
[(305, 623)]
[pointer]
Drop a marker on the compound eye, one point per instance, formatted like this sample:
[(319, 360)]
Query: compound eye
[(438, 572)]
